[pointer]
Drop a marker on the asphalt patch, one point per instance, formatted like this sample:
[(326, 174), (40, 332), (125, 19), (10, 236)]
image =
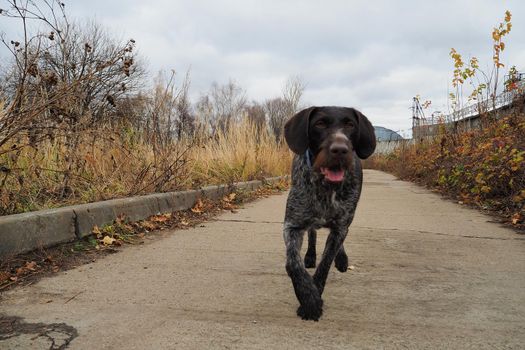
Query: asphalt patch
[(14, 332)]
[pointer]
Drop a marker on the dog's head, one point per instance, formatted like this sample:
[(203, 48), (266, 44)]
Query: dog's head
[(332, 134)]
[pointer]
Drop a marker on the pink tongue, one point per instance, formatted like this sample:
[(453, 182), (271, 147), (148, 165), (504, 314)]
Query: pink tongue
[(334, 176)]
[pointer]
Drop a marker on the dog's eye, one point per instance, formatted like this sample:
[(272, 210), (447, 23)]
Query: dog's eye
[(348, 123), (321, 124)]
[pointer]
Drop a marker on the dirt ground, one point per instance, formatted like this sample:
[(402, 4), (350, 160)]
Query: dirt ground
[(428, 274)]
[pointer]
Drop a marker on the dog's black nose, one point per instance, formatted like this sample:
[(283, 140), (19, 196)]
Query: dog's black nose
[(338, 149)]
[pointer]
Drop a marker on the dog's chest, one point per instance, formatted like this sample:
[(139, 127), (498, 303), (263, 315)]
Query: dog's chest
[(325, 208), (329, 206)]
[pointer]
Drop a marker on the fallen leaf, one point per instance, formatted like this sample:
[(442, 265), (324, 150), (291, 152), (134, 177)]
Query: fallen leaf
[(161, 218), (4, 276), (121, 219), (516, 218), (198, 207), (30, 266), (96, 231), (108, 240), (229, 198), (129, 228), (149, 226)]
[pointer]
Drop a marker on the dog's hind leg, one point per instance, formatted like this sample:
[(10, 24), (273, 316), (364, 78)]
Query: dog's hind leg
[(311, 307), (341, 260), (334, 243), (310, 257)]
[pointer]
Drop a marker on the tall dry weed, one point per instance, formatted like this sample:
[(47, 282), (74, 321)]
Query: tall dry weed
[(110, 163), (243, 152)]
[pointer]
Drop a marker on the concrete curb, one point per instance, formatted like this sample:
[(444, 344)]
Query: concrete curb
[(24, 232)]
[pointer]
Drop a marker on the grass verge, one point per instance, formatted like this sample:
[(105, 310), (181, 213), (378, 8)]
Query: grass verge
[(484, 168), (118, 162)]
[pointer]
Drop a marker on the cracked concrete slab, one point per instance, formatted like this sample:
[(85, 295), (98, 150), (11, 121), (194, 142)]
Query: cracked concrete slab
[(429, 274), (17, 334)]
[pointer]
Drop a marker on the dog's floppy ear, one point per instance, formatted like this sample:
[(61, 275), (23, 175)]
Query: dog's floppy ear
[(365, 144), (296, 131)]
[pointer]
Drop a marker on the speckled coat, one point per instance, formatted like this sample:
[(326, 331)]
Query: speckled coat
[(314, 203), (329, 142)]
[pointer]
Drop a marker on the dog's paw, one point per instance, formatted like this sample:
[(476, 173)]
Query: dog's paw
[(311, 310), (309, 261), (341, 262)]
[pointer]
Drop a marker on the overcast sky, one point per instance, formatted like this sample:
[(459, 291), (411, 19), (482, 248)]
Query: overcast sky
[(372, 55)]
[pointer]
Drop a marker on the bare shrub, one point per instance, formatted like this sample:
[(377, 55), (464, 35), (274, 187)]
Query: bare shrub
[(255, 113), (167, 116), (222, 106), (280, 109), (64, 78), (76, 124)]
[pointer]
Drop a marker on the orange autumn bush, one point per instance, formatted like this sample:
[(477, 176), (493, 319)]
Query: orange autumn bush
[(484, 167)]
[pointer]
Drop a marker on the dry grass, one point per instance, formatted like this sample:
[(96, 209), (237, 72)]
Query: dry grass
[(241, 153), (483, 168), (77, 124), (109, 163)]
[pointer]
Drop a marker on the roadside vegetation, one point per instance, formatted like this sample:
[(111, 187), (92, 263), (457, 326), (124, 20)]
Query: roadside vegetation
[(80, 122), (482, 166)]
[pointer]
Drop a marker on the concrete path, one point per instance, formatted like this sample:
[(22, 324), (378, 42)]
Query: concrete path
[(429, 274)]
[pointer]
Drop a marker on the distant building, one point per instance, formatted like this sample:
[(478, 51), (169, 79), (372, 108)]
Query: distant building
[(384, 134)]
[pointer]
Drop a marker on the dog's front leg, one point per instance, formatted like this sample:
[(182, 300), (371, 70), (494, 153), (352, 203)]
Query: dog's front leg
[(333, 245), (341, 259), (311, 307), (310, 257)]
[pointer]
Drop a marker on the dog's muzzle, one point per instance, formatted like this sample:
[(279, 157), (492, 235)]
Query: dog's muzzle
[(337, 158)]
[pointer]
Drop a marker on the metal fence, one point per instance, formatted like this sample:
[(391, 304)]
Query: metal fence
[(504, 99), (387, 147), (466, 118)]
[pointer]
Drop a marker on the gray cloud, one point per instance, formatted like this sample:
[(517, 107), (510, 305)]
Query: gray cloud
[(374, 55)]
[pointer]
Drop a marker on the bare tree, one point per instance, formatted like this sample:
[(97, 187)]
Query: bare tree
[(280, 109), (167, 114), (185, 119), (108, 69), (256, 114), (292, 92), (277, 114), (224, 105), (101, 69), (65, 77), (23, 106), (63, 80)]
